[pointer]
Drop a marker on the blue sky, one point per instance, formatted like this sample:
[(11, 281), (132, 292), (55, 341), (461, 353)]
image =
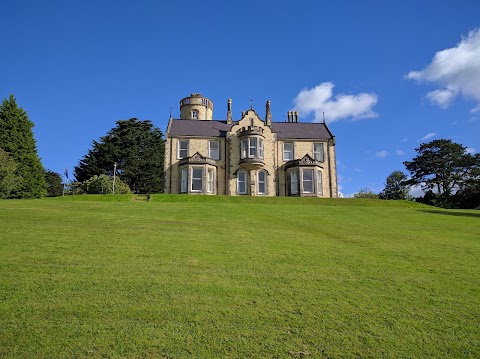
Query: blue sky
[(387, 73)]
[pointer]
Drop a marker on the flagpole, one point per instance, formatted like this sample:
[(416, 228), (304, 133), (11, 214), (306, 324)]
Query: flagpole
[(114, 170)]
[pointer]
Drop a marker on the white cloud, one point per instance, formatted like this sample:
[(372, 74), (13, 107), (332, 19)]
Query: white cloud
[(456, 71), (382, 154), (320, 99), (416, 191), (399, 152), (471, 150), (427, 136)]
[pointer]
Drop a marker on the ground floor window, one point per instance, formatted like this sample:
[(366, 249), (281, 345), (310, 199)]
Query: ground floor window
[(262, 182), (242, 182)]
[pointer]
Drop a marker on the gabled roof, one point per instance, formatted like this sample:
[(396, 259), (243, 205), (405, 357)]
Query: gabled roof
[(284, 130)]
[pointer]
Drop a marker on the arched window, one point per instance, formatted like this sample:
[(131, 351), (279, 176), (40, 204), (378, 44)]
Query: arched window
[(242, 182), (262, 182)]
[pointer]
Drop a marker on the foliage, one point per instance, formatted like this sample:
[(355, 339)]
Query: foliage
[(9, 181), (16, 138), (395, 187), (100, 185), (138, 150), (440, 165), (365, 193), (152, 279), (54, 183)]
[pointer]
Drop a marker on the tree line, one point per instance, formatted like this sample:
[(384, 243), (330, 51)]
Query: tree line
[(133, 153), (134, 149)]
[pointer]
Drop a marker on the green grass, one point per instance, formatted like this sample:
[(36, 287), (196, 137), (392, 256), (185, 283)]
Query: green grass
[(203, 276)]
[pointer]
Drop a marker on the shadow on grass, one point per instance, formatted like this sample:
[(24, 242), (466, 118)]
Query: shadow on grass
[(452, 212)]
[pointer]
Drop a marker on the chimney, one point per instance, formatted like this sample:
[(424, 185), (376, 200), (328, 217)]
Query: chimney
[(229, 111), (268, 114), (296, 116)]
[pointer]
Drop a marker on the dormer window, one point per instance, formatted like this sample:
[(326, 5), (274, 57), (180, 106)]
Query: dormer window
[(194, 114)]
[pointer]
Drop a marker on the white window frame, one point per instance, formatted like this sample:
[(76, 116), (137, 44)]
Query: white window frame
[(260, 148), (318, 152), (201, 178), (244, 148), (180, 149), (263, 182), (251, 147), (213, 153), (184, 180), (210, 180), (294, 183), (195, 114), (319, 182), (286, 151), (312, 180), (245, 181)]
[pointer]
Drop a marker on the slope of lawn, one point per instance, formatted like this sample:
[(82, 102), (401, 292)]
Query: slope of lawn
[(197, 276)]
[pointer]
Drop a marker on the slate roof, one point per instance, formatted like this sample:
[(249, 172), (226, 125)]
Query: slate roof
[(284, 130)]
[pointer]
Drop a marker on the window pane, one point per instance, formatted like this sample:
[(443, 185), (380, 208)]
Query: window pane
[(294, 182), (182, 149), (260, 148), (307, 181), (318, 152), (319, 183), (210, 181), (262, 185), (214, 150), (244, 149), (197, 179), (183, 186), (253, 147), (242, 182), (287, 151)]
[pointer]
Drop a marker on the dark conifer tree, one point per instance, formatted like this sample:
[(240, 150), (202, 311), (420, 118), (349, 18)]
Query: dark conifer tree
[(16, 138), (137, 147)]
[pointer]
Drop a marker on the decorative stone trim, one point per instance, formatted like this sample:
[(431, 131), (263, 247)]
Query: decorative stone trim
[(197, 158), (306, 160)]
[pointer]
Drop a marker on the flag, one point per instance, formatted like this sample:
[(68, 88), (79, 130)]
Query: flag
[(66, 172)]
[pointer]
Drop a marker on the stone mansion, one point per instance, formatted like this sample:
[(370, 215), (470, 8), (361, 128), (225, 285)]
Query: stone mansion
[(249, 156)]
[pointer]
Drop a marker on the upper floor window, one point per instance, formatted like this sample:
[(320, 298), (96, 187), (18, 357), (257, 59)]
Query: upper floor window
[(288, 152), (318, 153), (251, 147), (194, 114), (242, 182), (214, 150), (182, 149), (262, 182)]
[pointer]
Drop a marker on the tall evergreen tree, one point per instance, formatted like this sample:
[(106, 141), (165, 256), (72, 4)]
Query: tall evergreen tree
[(54, 183), (137, 147), (9, 181), (16, 138)]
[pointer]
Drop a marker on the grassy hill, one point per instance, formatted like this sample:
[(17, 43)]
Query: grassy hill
[(198, 276)]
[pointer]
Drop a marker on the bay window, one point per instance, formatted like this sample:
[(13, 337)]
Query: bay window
[(184, 180), (251, 147), (197, 179), (307, 181)]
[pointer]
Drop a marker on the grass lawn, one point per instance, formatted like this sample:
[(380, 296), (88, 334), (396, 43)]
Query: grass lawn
[(223, 277)]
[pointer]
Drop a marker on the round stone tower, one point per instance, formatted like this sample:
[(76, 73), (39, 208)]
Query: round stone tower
[(196, 107)]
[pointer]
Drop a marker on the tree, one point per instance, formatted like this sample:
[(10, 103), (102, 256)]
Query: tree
[(9, 181), (16, 138), (54, 184), (441, 165), (365, 193), (395, 187), (137, 147), (100, 185)]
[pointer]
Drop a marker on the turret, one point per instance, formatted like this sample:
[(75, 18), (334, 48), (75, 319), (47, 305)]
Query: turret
[(196, 107)]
